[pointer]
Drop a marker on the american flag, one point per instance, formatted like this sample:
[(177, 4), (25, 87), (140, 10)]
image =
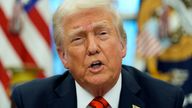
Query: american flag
[(148, 45), (24, 40)]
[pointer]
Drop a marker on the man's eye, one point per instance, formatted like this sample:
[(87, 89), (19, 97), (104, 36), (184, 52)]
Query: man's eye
[(76, 39), (103, 33)]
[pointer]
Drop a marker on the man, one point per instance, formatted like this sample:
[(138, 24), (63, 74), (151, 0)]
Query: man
[(91, 43)]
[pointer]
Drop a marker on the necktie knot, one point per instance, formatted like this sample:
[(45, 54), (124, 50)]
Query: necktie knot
[(99, 102)]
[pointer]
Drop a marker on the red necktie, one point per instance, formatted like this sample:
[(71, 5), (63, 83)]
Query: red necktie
[(99, 102)]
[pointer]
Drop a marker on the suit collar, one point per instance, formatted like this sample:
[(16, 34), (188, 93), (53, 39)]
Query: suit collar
[(130, 90), (65, 93)]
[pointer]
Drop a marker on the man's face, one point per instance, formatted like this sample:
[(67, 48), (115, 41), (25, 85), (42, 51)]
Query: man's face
[(93, 50)]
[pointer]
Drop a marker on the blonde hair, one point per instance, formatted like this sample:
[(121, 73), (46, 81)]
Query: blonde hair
[(73, 6)]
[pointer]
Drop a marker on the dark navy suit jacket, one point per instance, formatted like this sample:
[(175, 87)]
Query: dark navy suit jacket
[(137, 89)]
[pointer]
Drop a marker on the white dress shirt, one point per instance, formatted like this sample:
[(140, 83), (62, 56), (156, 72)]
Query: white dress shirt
[(112, 96)]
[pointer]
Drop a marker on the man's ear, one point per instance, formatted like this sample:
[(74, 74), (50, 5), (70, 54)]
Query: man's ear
[(123, 49), (63, 57)]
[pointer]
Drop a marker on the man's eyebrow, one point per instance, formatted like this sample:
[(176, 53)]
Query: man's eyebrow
[(103, 23), (76, 31), (79, 29)]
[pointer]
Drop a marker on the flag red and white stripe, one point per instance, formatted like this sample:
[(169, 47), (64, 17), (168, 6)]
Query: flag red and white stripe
[(4, 87), (148, 45), (32, 46)]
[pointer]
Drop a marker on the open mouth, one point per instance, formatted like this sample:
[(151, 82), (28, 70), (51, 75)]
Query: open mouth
[(96, 64)]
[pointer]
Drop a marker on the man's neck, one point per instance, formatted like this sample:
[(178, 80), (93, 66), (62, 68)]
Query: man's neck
[(112, 96)]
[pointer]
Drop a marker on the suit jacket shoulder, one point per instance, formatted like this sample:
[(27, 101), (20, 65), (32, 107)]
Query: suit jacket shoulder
[(149, 92), (137, 89), (46, 93)]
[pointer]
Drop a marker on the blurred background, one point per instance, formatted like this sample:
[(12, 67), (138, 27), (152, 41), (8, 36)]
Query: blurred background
[(159, 42)]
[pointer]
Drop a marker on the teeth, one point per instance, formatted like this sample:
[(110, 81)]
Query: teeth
[(96, 64)]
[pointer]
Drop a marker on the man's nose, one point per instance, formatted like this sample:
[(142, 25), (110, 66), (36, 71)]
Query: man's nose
[(92, 47)]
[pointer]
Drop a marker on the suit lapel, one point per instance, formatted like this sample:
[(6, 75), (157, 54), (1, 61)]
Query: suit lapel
[(65, 94), (129, 91)]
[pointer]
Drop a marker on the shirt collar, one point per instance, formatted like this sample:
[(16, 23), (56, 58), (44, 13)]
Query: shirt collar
[(112, 96)]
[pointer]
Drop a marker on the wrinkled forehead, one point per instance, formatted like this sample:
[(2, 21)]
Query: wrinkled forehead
[(88, 19), (103, 24)]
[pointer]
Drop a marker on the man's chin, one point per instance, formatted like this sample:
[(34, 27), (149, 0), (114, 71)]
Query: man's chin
[(98, 80)]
